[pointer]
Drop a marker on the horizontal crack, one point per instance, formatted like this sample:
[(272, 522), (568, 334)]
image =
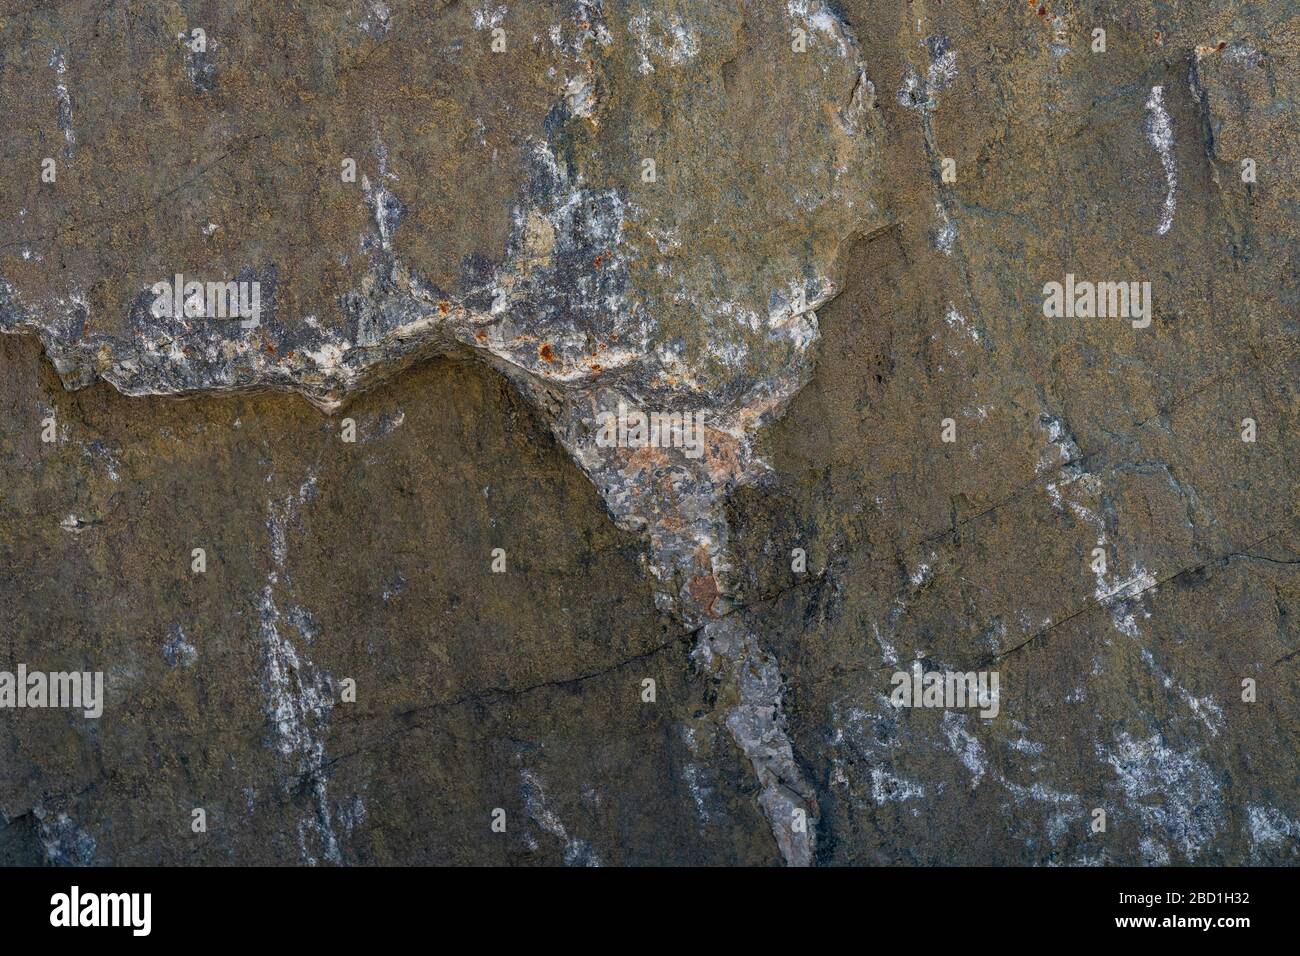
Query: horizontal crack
[(1091, 605)]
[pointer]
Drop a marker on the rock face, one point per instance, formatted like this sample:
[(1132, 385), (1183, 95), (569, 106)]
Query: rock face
[(855, 267)]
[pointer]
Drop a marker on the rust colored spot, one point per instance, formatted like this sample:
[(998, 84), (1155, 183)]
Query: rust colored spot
[(1223, 46), (270, 348), (704, 591), (444, 307), (547, 353), (596, 368), (1042, 11), (600, 258), (292, 353), (481, 336)]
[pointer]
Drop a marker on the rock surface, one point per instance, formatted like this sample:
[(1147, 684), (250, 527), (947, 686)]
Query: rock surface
[(822, 231)]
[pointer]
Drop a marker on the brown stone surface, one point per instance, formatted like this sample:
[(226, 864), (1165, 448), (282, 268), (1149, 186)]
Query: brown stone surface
[(801, 273)]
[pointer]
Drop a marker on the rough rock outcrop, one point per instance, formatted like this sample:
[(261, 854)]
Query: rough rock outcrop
[(819, 236)]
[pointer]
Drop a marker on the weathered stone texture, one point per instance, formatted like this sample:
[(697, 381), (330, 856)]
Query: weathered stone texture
[(801, 272)]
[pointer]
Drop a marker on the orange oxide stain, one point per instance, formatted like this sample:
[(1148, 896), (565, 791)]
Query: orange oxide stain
[(704, 591), (547, 353)]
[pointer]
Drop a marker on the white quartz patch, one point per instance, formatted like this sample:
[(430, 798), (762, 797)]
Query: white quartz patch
[(1160, 134)]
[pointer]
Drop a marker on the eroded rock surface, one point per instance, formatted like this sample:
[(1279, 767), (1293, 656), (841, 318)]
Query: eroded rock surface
[(820, 229)]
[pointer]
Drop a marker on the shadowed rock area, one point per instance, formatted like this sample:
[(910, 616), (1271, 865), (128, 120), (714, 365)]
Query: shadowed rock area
[(824, 230)]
